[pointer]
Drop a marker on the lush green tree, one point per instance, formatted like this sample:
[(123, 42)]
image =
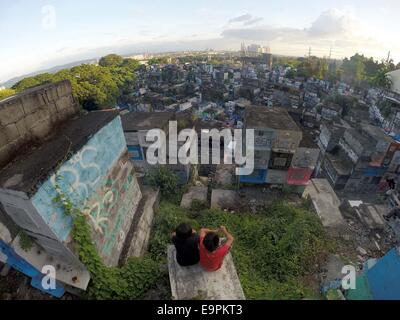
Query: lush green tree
[(4, 93), (347, 103), (381, 79), (34, 81), (111, 60), (165, 179), (130, 64), (354, 68), (93, 86), (291, 74), (159, 60)]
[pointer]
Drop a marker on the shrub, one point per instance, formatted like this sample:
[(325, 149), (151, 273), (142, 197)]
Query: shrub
[(273, 249), (25, 241), (131, 281), (163, 178), (117, 283)]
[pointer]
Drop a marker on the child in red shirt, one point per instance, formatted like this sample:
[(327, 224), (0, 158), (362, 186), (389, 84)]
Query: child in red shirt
[(211, 253)]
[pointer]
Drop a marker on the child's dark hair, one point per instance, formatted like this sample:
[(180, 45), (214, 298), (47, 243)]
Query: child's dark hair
[(211, 241), (183, 231)]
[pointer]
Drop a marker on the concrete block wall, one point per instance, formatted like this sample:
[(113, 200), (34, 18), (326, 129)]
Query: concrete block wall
[(31, 115), (99, 180), (103, 186)]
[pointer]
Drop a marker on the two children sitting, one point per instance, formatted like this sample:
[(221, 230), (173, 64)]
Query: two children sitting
[(192, 248)]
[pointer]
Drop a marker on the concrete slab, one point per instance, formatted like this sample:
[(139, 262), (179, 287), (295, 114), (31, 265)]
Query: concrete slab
[(190, 283), (224, 199), (72, 275), (195, 193), (326, 203)]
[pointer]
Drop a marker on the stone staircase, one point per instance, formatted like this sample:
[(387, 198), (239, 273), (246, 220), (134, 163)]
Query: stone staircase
[(138, 237)]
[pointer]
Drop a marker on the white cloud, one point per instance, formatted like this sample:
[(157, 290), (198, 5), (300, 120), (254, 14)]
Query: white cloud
[(333, 27), (252, 21), (334, 23), (247, 19), (242, 18)]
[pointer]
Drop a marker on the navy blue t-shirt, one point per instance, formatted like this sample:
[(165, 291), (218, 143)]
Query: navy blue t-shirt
[(187, 251)]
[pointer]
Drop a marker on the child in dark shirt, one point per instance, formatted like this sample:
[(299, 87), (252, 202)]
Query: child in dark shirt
[(186, 242)]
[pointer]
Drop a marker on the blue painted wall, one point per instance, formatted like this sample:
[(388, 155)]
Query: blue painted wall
[(80, 177), (135, 152), (18, 263), (384, 277), (258, 177)]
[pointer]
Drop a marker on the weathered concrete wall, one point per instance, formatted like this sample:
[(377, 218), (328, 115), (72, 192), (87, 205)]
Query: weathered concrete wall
[(277, 176), (261, 159), (264, 138), (98, 180), (111, 210), (32, 115), (80, 177)]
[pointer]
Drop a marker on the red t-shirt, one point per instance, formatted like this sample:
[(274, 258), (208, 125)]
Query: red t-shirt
[(212, 261)]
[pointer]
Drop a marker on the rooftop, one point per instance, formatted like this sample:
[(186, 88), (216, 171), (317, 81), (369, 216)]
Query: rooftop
[(308, 141), (34, 164), (376, 133), (333, 106), (340, 162), (135, 121), (273, 118), (365, 142)]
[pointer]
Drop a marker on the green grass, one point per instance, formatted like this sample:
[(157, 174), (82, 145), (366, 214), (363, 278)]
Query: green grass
[(273, 249)]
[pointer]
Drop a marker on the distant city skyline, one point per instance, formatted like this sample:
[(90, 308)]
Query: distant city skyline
[(38, 34)]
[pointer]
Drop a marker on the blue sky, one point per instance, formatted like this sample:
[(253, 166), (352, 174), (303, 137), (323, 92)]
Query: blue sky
[(38, 34)]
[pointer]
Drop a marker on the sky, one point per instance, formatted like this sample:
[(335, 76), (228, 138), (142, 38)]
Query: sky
[(38, 34)]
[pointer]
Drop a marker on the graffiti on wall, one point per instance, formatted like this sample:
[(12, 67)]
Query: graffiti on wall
[(111, 209), (80, 177)]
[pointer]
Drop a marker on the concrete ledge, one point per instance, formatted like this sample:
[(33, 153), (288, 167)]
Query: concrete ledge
[(69, 274), (193, 283), (325, 202)]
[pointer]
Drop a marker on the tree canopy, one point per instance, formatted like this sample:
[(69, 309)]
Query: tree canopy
[(112, 60), (4, 93), (94, 86), (357, 69)]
